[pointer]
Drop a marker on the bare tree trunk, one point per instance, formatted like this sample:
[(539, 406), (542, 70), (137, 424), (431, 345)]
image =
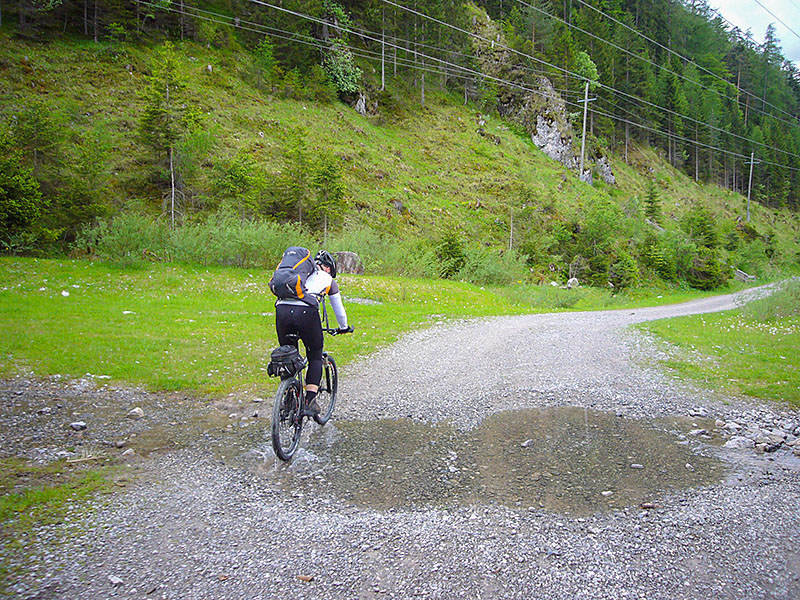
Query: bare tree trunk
[(383, 49), (627, 140), (95, 21), (172, 189), (182, 22), (86, 18)]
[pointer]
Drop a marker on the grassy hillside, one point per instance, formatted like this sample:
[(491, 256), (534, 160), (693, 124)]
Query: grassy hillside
[(411, 173)]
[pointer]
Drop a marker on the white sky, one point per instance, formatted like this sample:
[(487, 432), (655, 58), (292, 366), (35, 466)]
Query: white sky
[(754, 15)]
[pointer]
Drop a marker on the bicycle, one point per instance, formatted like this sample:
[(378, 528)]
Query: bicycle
[(289, 410)]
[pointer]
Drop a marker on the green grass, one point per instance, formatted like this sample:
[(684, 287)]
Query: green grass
[(752, 351), (210, 330), (35, 495)]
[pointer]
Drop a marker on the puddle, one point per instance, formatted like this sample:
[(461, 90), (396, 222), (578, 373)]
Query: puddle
[(565, 460)]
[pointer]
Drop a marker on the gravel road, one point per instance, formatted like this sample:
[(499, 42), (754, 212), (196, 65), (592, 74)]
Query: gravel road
[(206, 512)]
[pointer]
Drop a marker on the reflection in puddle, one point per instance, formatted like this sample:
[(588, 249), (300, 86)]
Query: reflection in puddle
[(567, 460)]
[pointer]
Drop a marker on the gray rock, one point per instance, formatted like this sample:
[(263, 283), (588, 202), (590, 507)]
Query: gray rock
[(604, 170), (136, 413), (740, 442), (349, 262), (553, 142), (78, 425)]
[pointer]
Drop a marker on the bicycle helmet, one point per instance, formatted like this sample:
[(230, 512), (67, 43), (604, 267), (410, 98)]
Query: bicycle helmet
[(323, 257)]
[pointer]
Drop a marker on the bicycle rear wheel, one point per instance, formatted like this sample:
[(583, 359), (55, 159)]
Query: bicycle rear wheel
[(328, 386), (287, 420)]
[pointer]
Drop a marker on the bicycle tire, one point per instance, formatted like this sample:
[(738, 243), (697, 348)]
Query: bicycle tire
[(287, 422), (328, 387)]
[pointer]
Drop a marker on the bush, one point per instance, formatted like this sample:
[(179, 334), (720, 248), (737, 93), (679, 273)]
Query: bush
[(483, 266), (384, 255), (751, 257), (706, 272), (451, 255), (20, 198), (223, 239), (624, 272)]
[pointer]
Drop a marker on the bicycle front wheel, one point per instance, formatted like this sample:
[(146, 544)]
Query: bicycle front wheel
[(328, 386), (287, 420)]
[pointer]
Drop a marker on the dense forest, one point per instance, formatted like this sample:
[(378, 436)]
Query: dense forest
[(666, 74)]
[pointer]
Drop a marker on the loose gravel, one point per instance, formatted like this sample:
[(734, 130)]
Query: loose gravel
[(214, 516)]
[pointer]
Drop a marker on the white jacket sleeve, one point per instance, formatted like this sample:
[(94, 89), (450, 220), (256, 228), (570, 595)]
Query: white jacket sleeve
[(338, 309)]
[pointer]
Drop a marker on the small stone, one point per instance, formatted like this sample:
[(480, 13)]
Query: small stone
[(526, 443), (78, 425), (114, 580), (637, 466), (607, 493), (739, 442), (136, 413), (689, 467), (697, 432)]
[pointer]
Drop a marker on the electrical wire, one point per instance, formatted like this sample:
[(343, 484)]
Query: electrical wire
[(680, 56), (614, 90), (778, 18), (661, 67), (224, 20)]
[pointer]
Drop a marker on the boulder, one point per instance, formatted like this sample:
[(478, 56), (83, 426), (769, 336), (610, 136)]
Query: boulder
[(349, 262)]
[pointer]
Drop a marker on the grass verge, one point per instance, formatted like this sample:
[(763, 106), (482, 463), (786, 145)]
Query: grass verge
[(33, 496), (751, 351)]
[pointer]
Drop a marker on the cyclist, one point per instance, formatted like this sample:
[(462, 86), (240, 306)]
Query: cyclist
[(298, 317)]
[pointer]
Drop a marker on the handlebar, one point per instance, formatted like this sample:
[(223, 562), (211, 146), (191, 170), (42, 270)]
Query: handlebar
[(338, 331)]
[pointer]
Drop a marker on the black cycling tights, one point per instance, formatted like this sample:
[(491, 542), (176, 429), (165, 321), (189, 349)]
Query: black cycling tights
[(304, 321)]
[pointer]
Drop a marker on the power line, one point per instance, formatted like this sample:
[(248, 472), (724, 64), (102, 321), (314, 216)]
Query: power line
[(778, 18), (662, 67), (224, 20), (413, 11)]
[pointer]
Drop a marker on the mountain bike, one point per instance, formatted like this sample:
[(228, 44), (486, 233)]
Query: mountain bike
[(289, 410)]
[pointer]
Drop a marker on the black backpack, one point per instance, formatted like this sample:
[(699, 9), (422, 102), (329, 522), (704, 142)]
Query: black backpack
[(289, 279)]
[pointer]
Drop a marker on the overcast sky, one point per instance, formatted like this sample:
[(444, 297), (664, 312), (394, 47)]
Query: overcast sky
[(754, 15)]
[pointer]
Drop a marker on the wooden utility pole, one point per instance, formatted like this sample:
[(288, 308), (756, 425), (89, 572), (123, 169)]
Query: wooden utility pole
[(750, 183)]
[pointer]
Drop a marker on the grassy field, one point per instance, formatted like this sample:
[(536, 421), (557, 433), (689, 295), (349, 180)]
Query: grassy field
[(209, 330), (753, 351)]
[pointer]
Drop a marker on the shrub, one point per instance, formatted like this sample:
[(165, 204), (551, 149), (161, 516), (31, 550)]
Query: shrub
[(706, 271), (20, 197), (341, 68), (484, 266), (451, 255), (624, 272), (222, 239)]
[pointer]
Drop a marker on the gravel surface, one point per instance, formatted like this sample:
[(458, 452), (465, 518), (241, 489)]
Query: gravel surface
[(206, 512)]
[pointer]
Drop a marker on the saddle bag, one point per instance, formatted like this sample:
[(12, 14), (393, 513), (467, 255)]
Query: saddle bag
[(285, 362)]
